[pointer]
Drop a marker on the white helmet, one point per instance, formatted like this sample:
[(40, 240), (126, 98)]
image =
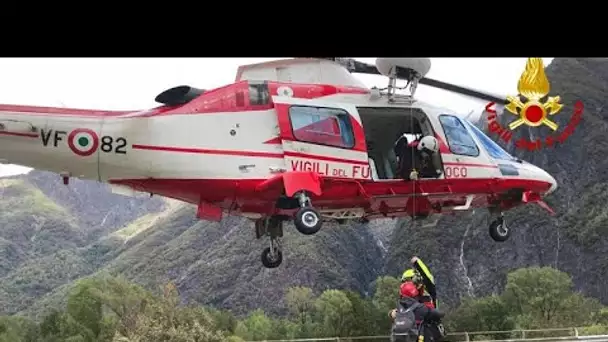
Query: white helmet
[(428, 144)]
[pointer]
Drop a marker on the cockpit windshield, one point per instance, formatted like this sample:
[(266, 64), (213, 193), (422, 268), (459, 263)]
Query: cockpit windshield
[(493, 149)]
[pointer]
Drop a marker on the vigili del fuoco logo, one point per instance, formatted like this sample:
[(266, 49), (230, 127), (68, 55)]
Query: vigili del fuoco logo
[(534, 107)]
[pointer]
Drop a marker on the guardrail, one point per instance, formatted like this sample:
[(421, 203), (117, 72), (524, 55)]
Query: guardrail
[(529, 335)]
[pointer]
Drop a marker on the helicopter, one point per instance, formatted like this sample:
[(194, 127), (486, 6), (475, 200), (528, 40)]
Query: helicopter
[(299, 140)]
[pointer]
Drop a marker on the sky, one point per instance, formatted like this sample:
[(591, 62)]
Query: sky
[(132, 83)]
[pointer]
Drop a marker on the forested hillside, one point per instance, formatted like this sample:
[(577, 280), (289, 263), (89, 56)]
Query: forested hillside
[(53, 235), (105, 308)]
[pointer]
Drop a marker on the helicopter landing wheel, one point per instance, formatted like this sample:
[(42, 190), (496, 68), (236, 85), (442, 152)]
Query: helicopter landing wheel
[(499, 231), (272, 256), (307, 219)]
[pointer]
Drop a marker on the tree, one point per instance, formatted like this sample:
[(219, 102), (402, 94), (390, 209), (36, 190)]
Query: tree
[(542, 297), (387, 293), (106, 308), (335, 311), (483, 314), (164, 320), (224, 320), (50, 325), (300, 302), (85, 306), (579, 311), (124, 302), (257, 326), (367, 319), (72, 329), (601, 317), (15, 328), (283, 329), (539, 291)]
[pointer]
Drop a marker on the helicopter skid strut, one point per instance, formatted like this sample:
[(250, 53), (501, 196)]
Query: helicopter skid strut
[(272, 256)]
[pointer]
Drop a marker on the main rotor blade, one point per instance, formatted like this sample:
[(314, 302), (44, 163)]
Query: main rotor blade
[(462, 90), (405, 74)]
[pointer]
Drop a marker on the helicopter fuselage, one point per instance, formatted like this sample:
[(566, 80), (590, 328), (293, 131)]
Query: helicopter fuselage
[(218, 150), (297, 140)]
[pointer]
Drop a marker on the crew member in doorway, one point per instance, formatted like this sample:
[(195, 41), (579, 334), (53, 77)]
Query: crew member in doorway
[(428, 154), (406, 155)]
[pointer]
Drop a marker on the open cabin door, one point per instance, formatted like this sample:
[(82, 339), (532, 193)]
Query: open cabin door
[(322, 136)]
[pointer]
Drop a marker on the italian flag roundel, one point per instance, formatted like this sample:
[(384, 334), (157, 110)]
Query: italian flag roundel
[(83, 142)]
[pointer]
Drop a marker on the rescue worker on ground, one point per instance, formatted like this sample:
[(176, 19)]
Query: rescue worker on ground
[(426, 319), (422, 277)]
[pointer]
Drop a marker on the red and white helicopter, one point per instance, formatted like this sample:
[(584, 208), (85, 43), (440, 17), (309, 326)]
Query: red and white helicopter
[(298, 139)]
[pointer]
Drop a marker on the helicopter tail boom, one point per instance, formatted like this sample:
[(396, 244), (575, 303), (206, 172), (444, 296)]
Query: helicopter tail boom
[(39, 139)]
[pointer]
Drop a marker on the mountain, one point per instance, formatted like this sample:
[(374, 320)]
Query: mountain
[(51, 234)]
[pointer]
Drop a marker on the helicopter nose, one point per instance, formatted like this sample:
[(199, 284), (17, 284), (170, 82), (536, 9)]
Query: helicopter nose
[(553, 184), (548, 178)]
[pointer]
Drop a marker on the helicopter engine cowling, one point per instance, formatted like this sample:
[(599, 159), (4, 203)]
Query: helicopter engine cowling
[(300, 70), (178, 95)]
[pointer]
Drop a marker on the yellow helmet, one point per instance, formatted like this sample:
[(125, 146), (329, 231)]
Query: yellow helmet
[(410, 274)]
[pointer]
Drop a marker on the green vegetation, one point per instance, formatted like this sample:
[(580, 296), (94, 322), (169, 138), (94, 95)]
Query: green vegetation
[(136, 226), (107, 308), (534, 298), (18, 194)]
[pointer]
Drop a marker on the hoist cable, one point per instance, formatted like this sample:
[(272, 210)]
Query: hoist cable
[(413, 162)]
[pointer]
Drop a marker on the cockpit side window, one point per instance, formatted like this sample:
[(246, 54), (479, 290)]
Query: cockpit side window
[(324, 126), (493, 149), (458, 137)]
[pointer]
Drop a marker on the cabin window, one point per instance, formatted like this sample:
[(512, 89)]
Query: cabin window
[(493, 149), (458, 137), (324, 126)]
